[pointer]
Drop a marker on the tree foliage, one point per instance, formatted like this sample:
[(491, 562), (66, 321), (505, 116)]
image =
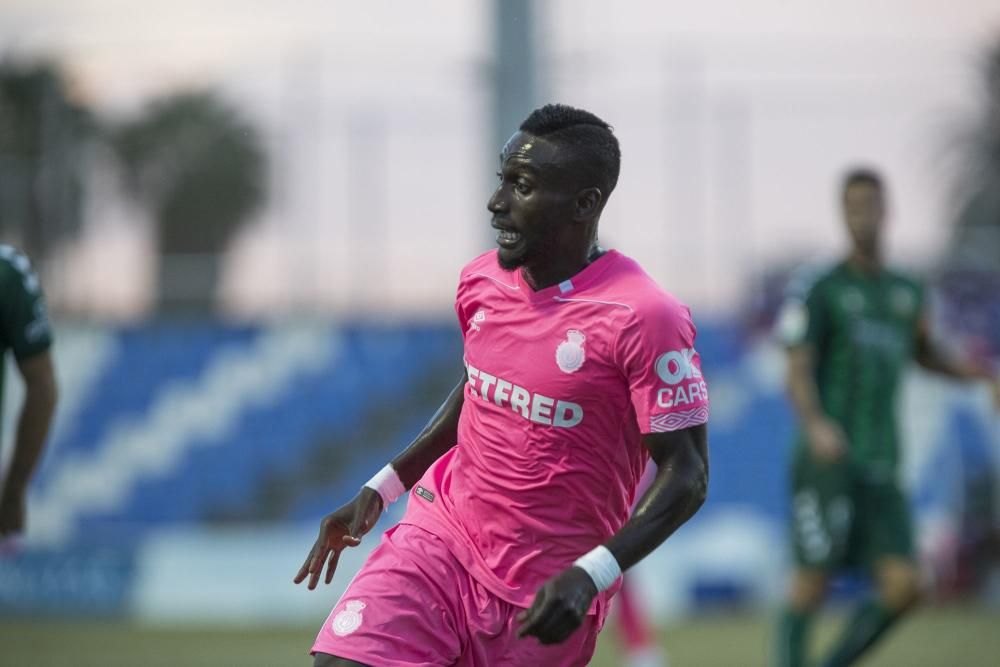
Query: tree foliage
[(197, 166), (199, 169), (43, 134)]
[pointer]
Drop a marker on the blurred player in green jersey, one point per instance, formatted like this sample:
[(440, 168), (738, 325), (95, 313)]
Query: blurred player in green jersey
[(850, 334), (24, 330)]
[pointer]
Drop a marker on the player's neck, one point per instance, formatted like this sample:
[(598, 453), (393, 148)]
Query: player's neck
[(555, 271), (865, 261)]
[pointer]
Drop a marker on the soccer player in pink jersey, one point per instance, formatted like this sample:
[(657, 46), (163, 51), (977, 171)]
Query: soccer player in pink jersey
[(578, 369)]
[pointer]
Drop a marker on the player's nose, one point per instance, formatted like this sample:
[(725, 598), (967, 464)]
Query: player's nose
[(497, 202)]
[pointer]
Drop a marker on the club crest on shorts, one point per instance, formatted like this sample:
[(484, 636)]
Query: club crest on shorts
[(349, 619), (569, 354)]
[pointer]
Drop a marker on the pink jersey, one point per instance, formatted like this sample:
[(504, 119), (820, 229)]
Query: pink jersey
[(562, 383)]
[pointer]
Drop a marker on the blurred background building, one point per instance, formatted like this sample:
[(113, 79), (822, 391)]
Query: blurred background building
[(250, 218)]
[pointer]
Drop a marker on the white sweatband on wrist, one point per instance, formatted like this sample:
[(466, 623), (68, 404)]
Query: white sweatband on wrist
[(387, 484), (602, 567)]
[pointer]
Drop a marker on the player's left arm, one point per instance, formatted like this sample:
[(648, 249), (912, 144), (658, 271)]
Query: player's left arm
[(932, 357), (656, 353), (676, 493), (24, 324)]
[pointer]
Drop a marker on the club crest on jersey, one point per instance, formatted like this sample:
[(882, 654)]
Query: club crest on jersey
[(569, 353), (349, 619)]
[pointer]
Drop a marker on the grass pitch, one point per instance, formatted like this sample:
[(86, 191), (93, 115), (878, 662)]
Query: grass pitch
[(941, 637)]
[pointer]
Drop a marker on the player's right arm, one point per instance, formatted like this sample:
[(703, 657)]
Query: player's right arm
[(825, 437), (347, 525), (440, 435), (802, 325)]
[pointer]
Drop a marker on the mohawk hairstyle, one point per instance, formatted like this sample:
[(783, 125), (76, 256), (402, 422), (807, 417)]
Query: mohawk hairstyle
[(591, 138)]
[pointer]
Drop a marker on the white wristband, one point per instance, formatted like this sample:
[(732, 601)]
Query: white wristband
[(602, 567), (387, 484)]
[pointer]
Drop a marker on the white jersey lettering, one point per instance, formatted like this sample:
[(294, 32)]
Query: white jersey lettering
[(533, 407)]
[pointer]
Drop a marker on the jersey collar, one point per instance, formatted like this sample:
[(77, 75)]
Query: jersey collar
[(589, 275)]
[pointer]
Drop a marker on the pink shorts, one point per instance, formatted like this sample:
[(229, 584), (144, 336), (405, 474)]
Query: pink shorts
[(414, 605)]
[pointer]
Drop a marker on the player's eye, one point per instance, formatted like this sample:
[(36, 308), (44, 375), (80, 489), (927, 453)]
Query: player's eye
[(522, 187)]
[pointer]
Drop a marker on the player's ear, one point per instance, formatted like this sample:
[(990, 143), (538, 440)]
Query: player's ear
[(588, 203)]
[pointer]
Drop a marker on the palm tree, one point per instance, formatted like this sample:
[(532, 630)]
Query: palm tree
[(199, 169), (43, 136), (975, 243)]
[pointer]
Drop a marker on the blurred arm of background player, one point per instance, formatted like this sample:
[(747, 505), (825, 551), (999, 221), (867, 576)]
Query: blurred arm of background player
[(346, 526), (825, 436), (32, 428), (677, 491), (933, 358)]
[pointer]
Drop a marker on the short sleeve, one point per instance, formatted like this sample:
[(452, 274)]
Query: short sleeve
[(803, 318), (24, 321), (657, 355)]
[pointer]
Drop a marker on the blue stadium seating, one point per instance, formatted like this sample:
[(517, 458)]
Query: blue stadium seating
[(221, 475)]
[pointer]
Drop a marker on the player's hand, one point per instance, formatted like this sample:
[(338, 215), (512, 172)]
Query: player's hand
[(11, 514), (559, 607), (826, 439), (337, 531)]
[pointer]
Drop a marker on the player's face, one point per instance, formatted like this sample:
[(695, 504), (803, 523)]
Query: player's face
[(864, 212), (533, 203)]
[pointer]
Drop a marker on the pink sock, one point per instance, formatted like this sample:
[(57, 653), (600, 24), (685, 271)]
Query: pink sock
[(634, 631)]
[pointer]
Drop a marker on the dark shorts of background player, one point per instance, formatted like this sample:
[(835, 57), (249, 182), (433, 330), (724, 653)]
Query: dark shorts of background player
[(841, 521)]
